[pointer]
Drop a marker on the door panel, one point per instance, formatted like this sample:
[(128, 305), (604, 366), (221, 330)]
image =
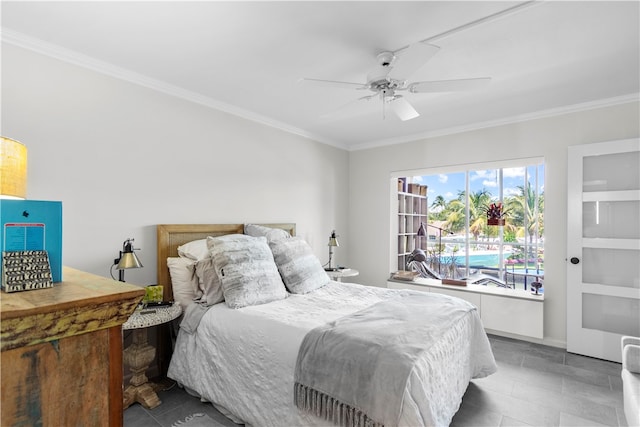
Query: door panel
[(603, 244), (611, 219), (611, 267), (611, 314)]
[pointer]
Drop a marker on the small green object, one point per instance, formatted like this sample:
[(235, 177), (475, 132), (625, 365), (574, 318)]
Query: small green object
[(153, 293)]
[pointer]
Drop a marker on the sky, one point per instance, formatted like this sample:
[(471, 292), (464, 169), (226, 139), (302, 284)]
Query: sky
[(449, 185)]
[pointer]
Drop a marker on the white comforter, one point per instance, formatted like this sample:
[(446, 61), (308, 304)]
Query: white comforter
[(243, 360)]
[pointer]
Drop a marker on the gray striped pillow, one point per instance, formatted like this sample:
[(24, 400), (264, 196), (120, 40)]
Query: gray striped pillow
[(246, 270), (300, 269)]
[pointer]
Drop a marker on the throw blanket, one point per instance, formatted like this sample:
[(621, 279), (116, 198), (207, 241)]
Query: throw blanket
[(192, 316), (353, 371)]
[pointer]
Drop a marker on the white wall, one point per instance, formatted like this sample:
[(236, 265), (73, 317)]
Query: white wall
[(123, 158), (370, 171)]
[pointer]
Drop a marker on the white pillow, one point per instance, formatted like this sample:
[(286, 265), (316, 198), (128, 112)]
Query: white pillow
[(300, 269), (183, 280), (208, 282), (246, 269), (272, 234), (195, 250)]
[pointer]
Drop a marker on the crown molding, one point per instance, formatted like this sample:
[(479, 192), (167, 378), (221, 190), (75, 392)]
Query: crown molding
[(81, 60), (67, 55), (551, 112)]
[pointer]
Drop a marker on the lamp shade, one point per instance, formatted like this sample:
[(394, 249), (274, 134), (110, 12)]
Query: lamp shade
[(13, 169), (128, 260), (333, 241)]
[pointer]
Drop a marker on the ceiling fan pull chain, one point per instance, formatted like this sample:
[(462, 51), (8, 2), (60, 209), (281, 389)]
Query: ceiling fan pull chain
[(384, 116)]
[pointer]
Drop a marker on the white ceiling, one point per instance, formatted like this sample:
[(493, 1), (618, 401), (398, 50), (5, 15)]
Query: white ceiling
[(248, 57)]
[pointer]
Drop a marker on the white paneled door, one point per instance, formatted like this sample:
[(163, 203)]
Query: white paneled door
[(603, 247)]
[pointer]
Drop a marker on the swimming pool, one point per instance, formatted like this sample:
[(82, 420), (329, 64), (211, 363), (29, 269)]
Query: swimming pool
[(480, 258)]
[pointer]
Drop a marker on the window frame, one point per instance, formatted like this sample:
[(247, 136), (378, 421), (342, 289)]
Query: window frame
[(465, 168)]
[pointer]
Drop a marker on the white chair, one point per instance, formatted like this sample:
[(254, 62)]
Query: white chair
[(631, 379)]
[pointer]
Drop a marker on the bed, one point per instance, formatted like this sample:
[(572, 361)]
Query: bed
[(249, 361)]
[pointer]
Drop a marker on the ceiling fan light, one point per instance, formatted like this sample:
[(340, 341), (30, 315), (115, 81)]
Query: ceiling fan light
[(403, 109)]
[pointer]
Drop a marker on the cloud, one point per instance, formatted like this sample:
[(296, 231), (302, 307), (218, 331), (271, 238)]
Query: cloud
[(483, 174), (417, 179), (511, 191), (442, 178), (513, 172), (449, 195), (489, 177)]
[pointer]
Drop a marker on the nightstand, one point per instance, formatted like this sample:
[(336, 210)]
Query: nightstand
[(139, 355), (338, 275)]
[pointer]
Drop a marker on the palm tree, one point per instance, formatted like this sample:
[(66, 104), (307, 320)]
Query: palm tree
[(455, 217), (438, 207), (525, 208), (477, 202), (439, 202)]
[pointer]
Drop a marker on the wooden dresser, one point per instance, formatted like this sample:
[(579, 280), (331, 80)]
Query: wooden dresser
[(61, 352)]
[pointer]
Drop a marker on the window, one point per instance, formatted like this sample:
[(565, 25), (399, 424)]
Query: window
[(457, 238)]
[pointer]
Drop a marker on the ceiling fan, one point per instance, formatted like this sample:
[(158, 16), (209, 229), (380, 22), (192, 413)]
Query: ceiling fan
[(389, 79)]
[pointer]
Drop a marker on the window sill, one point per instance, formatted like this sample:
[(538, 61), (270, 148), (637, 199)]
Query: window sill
[(478, 289)]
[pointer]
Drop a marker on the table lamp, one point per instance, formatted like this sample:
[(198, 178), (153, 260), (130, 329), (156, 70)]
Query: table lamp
[(333, 242), (127, 259), (13, 169)]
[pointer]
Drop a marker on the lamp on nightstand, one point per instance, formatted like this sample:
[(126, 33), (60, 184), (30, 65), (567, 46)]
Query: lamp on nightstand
[(13, 169), (333, 242), (127, 259)]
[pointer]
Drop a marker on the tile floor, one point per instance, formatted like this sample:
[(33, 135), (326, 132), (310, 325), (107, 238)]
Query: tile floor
[(535, 386)]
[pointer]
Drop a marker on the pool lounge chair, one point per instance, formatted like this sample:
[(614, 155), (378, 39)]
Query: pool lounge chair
[(485, 279)]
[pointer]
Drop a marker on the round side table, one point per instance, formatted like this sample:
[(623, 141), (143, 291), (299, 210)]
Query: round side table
[(338, 275), (139, 355)]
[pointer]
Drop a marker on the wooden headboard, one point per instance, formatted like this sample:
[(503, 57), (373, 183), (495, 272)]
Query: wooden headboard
[(170, 236)]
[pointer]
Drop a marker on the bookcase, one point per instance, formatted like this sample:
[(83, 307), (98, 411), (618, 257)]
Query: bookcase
[(412, 210)]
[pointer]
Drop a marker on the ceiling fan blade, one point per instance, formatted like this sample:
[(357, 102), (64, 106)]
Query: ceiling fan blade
[(335, 83), (403, 109), (448, 85), (410, 59), (347, 109)]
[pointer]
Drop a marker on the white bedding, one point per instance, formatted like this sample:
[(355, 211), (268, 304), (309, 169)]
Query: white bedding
[(243, 360)]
